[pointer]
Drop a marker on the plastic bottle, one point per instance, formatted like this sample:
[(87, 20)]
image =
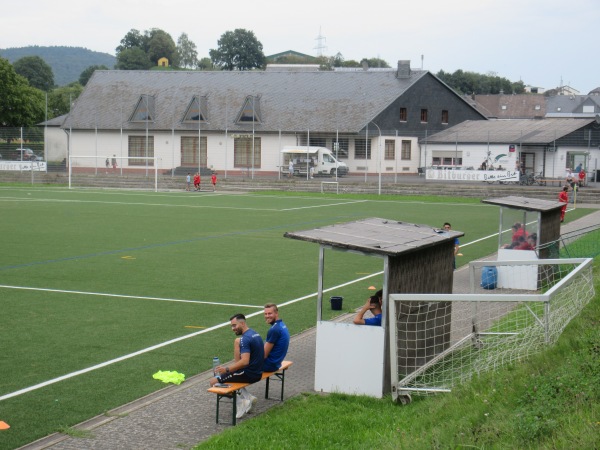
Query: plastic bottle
[(216, 362)]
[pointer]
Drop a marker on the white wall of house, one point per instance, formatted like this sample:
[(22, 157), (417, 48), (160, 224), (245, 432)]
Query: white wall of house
[(471, 155), (220, 150), (56, 144), (556, 160)]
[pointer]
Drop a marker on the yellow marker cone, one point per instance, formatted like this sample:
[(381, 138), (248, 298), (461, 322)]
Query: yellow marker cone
[(372, 288), (4, 425)]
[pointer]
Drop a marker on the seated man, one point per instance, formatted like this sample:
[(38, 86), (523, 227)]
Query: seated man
[(373, 304), (248, 354), (278, 339)]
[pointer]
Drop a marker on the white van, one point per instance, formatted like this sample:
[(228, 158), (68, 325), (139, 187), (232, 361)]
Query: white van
[(320, 158)]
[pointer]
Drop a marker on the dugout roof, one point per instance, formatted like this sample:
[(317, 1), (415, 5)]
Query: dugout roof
[(525, 203), (376, 236)]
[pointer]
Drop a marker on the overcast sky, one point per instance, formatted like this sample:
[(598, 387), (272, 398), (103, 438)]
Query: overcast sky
[(541, 42)]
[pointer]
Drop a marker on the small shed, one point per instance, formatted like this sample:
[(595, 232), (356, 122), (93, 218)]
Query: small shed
[(542, 216), (416, 259), (534, 217)]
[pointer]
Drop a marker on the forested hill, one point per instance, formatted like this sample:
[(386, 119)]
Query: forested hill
[(67, 62)]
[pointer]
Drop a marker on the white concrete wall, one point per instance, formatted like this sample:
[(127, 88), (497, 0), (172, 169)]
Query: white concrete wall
[(56, 144), (349, 359), (474, 154), (220, 151)]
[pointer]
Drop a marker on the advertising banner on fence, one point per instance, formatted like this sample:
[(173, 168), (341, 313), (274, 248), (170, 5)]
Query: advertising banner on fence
[(24, 166), (472, 175)]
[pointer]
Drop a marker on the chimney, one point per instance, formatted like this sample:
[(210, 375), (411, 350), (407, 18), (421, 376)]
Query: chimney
[(403, 69), (365, 65)]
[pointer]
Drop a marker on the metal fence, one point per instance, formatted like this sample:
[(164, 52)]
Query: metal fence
[(12, 139)]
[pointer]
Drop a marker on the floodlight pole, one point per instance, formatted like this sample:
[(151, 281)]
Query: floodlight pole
[(378, 156)]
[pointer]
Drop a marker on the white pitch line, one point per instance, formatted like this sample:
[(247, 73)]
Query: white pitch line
[(323, 206), (48, 200), (55, 200), (107, 363), (102, 294), (162, 344)]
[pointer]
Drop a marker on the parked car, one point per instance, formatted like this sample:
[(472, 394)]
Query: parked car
[(25, 154)]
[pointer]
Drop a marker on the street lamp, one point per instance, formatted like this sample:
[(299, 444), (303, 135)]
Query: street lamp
[(378, 156)]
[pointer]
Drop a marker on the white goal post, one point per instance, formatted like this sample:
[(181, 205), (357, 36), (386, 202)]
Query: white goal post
[(438, 341), (121, 166)]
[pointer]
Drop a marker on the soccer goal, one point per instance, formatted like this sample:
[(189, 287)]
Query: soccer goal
[(124, 172), (441, 340)]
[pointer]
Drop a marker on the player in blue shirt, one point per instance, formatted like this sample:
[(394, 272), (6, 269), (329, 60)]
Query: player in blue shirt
[(278, 339), (373, 304), (248, 354)]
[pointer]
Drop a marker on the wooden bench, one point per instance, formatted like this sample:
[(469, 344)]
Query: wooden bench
[(233, 390), (550, 181)]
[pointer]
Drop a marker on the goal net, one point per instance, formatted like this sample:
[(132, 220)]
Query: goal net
[(122, 172), (441, 340)]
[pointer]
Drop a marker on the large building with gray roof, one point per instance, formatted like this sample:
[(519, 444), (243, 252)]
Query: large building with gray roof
[(240, 120)]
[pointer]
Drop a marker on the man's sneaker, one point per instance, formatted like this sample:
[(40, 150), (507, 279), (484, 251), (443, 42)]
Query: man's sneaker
[(253, 401), (243, 406)]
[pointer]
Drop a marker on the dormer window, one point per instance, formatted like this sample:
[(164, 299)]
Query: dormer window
[(144, 110), (196, 110), (251, 111)]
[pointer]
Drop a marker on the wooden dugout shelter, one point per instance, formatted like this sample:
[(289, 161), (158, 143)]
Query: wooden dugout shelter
[(541, 217), (544, 213), (416, 259)]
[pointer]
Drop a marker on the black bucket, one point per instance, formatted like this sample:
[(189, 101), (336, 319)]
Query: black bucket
[(336, 303)]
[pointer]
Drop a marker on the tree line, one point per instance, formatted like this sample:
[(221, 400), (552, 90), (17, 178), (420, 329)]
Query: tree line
[(29, 91)]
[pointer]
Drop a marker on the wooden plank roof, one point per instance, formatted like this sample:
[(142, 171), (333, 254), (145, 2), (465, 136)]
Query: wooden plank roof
[(376, 236), (525, 203)]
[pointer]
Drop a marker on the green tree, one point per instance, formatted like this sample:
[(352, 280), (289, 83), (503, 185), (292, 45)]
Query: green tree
[(88, 72), (61, 98), (133, 59), (477, 83), (154, 43), (205, 64), (186, 50), (160, 44), (350, 63), (20, 104), (238, 50), (36, 71), (132, 39), (376, 63), (518, 87)]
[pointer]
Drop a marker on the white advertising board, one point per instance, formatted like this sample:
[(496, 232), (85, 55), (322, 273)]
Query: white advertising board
[(489, 176), (24, 166)]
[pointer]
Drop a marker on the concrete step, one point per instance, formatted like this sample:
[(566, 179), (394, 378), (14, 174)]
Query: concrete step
[(404, 186)]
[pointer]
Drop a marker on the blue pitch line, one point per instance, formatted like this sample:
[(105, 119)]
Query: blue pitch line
[(147, 247)]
